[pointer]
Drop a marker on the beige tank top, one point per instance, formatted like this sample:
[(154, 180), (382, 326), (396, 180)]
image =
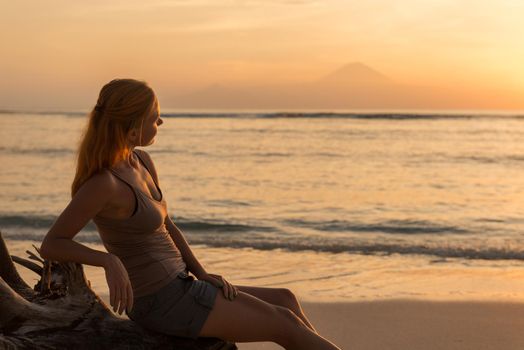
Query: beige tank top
[(142, 241)]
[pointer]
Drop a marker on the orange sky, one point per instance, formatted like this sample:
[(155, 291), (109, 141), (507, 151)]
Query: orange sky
[(58, 54)]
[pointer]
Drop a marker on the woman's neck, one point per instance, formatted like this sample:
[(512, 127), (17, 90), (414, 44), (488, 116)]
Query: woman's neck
[(131, 162)]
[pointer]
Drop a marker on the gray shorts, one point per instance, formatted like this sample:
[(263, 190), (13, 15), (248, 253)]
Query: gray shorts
[(179, 308)]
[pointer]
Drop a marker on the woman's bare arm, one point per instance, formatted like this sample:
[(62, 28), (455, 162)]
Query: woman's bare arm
[(58, 244), (191, 261)]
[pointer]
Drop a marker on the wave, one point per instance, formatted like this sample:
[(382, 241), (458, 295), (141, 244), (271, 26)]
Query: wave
[(316, 115), (501, 159), (406, 227), (336, 115), (33, 221), (218, 226), (45, 113), (46, 221), (319, 244), (52, 151), (375, 249), (506, 159), (420, 237), (390, 226)]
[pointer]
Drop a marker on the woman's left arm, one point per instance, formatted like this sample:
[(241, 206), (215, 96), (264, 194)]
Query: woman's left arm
[(192, 263), (230, 291)]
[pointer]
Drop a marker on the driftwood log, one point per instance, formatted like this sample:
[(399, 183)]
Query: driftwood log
[(63, 312)]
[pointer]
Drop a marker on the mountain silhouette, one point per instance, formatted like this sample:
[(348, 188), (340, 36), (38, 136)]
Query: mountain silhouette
[(355, 73), (352, 86)]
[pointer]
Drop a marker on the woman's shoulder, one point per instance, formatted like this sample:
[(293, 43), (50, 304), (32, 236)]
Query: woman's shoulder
[(94, 195), (101, 181)]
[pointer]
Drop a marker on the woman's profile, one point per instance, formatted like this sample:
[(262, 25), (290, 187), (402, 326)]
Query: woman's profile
[(148, 259)]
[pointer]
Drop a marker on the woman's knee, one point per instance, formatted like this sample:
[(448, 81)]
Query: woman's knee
[(289, 299), (288, 294), (290, 317)]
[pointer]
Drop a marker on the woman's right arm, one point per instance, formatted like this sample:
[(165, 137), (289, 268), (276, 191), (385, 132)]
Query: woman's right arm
[(91, 198), (58, 244)]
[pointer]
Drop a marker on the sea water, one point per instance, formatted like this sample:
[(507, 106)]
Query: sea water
[(335, 206)]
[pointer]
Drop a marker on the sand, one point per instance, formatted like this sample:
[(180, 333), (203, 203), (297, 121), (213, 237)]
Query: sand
[(405, 324), (414, 324)]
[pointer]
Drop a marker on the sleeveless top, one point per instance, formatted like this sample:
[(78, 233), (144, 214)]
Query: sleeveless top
[(142, 241)]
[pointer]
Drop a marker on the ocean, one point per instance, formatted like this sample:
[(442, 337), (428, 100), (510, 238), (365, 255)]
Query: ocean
[(337, 206)]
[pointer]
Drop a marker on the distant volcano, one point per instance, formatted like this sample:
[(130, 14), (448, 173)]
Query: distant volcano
[(355, 73), (354, 85)]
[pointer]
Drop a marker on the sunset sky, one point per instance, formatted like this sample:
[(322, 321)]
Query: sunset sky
[(58, 54)]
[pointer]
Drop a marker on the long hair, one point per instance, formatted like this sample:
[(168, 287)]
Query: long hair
[(122, 105)]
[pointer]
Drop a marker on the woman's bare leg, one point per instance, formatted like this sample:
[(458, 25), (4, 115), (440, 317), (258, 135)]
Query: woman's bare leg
[(279, 296), (250, 319)]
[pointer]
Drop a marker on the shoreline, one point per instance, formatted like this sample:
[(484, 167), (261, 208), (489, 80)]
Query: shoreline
[(343, 277)]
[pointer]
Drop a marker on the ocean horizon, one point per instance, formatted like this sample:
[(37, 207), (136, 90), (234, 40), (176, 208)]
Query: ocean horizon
[(285, 112)]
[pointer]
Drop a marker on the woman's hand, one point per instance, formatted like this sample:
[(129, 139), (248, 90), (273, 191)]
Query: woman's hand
[(229, 290), (120, 291)]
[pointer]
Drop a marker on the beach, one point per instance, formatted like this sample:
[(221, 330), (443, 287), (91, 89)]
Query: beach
[(410, 324), (366, 322)]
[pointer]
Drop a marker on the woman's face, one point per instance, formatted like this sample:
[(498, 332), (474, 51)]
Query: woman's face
[(151, 123)]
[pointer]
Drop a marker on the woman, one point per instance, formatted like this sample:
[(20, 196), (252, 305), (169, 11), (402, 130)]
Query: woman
[(148, 258)]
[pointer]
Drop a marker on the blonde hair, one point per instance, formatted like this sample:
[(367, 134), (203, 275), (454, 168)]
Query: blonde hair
[(122, 105)]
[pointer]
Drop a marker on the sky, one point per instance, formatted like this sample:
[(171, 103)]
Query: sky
[(58, 54)]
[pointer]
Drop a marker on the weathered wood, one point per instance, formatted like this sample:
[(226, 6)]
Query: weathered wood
[(63, 312)]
